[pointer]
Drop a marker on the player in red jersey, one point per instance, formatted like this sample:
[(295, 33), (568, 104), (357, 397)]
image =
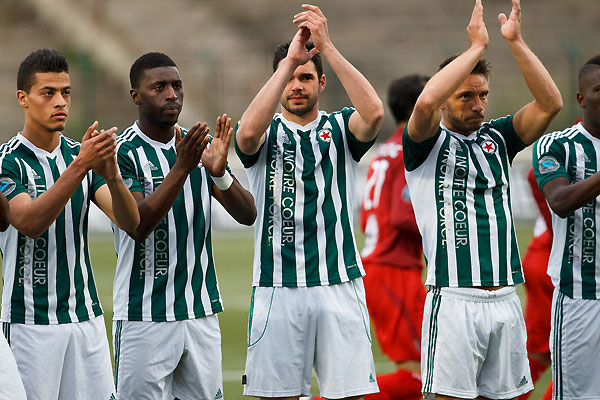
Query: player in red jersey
[(392, 255), (539, 288)]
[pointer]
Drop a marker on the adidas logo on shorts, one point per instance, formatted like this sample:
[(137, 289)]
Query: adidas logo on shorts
[(219, 394), (523, 382)]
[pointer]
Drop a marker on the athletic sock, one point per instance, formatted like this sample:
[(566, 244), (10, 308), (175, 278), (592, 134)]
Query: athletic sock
[(537, 369), (402, 384)]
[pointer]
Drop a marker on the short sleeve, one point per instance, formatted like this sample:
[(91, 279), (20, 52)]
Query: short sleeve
[(128, 171), (10, 178), (505, 126), (97, 182), (356, 147), (415, 153), (248, 160), (548, 162)]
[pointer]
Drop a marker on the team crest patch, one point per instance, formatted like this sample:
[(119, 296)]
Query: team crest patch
[(489, 146), (7, 185), (547, 164), (324, 135), (128, 182), (406, 194)]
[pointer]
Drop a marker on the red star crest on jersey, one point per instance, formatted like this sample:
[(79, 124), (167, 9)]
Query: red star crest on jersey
[(324, 135), (489, 146)]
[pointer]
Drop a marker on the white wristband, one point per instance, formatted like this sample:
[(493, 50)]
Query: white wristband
[(223, 182)]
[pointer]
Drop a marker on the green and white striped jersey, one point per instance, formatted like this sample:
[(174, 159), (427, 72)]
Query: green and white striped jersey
[(47, 280), (574, 264), (171, 275), (459, 188), (303, 182)]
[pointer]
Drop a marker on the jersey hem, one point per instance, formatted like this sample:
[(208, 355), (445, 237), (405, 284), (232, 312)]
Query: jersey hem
[(305, 284), (170, 318)]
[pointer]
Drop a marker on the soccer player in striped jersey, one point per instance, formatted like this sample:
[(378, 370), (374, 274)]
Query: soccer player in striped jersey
[(473, 336), (308, 302), (393, 255), (11, 385), (50, 308), (566, 166), (167, 340)]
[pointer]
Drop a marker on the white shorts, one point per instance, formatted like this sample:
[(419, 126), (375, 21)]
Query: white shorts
[(473, 344), (292, 330), (64, 361), (159, 360), (575, 347), (11, 386)]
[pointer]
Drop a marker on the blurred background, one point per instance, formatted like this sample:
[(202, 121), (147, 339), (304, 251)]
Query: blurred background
[(224, 53)]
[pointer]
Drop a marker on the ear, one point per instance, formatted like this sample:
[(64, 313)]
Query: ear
[(322, 84), (135, 97), (22, 98), (581, 100)]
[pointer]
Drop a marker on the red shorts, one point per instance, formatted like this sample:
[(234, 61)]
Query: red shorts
[(395, 299), (539, 288)]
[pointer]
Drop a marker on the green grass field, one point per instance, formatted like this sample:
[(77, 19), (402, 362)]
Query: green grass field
[(233, 257)]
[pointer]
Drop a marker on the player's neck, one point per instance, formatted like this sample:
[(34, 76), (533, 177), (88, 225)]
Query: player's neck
[(41, 138), (591, 127), (303, 119), (156, 132)]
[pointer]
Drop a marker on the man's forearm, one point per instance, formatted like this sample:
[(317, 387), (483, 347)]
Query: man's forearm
[(259, 114), (538, 80), (124, 206), (445, 82), (238, 202), (361, 93), (34, 217), (153, 208)]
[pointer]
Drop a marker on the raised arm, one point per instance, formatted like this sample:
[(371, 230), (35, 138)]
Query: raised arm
[(32, 217), (238, 202), (531, 121), (250, 134), (153, 208), (426, 116), (365, 123)]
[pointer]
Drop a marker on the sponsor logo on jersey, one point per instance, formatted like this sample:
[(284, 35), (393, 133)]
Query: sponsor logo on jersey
[(324, 135), (152, 166), (7, 185), (489, 146), (547, 164)]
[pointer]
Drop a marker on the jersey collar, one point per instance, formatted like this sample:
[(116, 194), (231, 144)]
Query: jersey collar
[(472, 136), (169, 145), (308, 127), (37, 150)]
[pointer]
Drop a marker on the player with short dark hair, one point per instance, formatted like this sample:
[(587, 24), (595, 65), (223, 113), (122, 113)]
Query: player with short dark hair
[(392, 254), (51, 312), (566, 169), (308, 304), (457, 169), (167, 340)]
